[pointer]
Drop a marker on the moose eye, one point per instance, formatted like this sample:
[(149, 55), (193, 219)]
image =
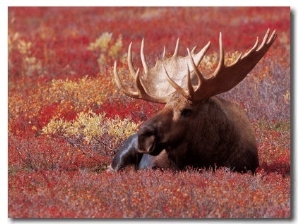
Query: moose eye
[(186, 112)]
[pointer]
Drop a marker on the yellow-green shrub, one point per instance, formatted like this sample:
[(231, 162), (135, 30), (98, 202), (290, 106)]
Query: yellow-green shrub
[(83, 93), (90, 128)]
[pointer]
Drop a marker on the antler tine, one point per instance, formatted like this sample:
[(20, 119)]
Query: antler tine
[(193, 49), (129, 61), (189, 84), (121, 87), (198, 57), (272, 37), (252, 49), (264, 40), (176, 48), (164, 53), (177, 87), (221, 56), (198, 73), (145, 66)]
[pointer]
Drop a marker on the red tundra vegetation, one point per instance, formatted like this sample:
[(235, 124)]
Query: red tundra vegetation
[(67, 117)]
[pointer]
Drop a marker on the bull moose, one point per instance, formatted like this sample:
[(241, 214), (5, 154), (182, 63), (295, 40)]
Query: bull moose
[(195, 128)]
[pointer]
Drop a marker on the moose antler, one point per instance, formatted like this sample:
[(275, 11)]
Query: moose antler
[(153, 80), (181, 73)]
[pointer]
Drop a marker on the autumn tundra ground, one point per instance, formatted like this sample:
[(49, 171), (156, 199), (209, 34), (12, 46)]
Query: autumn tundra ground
[(66, 116)]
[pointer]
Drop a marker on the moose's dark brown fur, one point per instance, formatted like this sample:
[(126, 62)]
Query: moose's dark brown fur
[(210, 133)]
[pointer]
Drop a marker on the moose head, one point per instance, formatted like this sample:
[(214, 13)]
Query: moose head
[(196, 128)]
